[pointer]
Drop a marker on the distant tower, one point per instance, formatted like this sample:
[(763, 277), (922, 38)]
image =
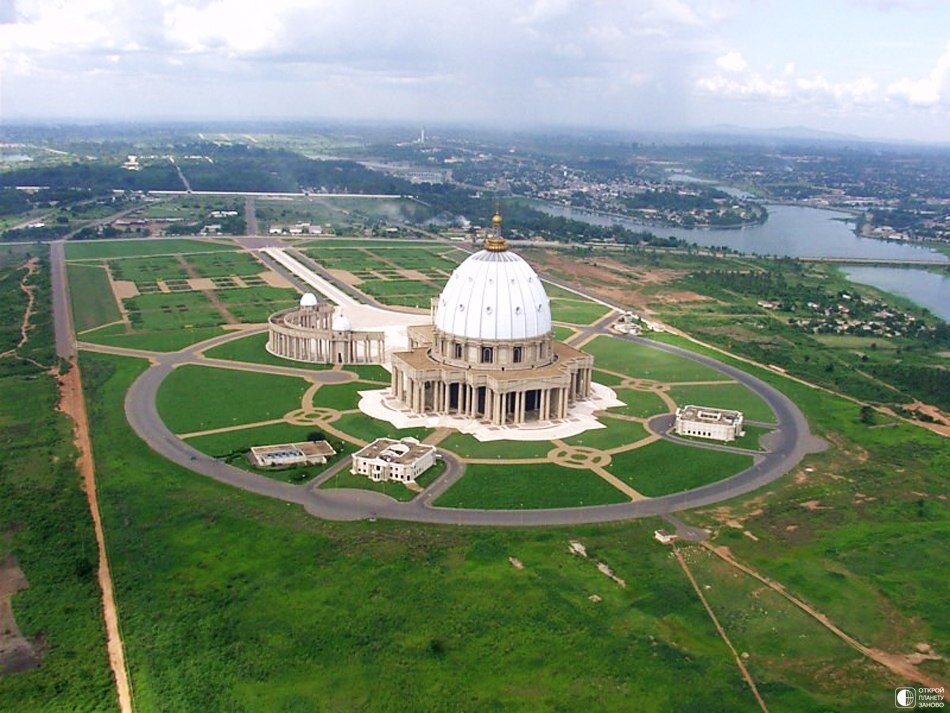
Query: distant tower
[(422, 135)]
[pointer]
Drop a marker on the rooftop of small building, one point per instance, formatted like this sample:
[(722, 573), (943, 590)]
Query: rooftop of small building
[(708, 414), (394, 451)]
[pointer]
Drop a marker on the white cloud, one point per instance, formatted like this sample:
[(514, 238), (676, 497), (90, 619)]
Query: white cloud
[(732, 62), (932, 90)]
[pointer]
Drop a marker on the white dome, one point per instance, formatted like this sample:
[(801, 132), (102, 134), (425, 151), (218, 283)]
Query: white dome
[(341, 323), (494, 295), (308, 300)]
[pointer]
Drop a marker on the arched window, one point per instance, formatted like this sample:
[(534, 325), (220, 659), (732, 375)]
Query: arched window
[(516, 355), (458, 351), (488, 355)]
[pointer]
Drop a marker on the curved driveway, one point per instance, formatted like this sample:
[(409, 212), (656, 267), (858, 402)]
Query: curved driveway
[(790, 443)]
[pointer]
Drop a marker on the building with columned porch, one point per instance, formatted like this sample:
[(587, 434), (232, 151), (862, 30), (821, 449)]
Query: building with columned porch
[(490, 353), (316, 332)]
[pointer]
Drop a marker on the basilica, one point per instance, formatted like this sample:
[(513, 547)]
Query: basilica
[(490, 353)]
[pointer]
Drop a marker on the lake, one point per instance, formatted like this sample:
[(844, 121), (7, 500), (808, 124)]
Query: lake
[(789, 231), (928, 289)]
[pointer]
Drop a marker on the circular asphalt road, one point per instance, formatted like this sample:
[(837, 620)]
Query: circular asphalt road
[(790, 442)]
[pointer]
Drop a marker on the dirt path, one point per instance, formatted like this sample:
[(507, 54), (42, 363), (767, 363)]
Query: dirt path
[(722, 632), (210, 294), (898, 664), (73, 404), (31, 266)]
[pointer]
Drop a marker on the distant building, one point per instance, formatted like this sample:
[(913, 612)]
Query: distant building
[(285, 455), (664, 537), (389, 459), (704, 422)]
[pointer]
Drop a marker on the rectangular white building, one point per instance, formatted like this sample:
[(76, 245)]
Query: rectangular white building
[(389, 459), (285, 455), (705, 422)]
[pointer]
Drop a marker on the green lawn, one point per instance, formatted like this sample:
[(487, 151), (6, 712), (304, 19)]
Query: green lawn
[(395, 490), (232, 602), (198, 398), (562, 333), (343, 397), (727, 396), (91, 297), (172, 311), (233, 446), (605, 378), (370, 372), (163, 341), (641, 404), (618, 433), (126, 248), (577, 311), (224, 264), (470, 447), (645, 362), (369, 429), (254, 305), (528, 486), (146, 270), (252, 349), (663, 467)]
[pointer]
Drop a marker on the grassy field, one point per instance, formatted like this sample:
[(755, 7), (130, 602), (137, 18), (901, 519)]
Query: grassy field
[(233, 446), (641, 404), (469, 447), (617, 433), (367, 429), (220, 610), (662, 467), (253, 305), (221, 264), (644, 362), (90, 297), (145, 271), (394, 489), (163, 341), (127, 248), (252, 349), (198, 398), (527, 486), (577, 311), (45, 525), (727, 396), (343, 397)]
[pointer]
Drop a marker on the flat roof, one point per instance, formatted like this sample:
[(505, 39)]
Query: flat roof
[(708, 414), (393, 451)]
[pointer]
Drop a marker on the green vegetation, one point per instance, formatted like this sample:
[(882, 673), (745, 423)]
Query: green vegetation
[(641, 404), (563, 333), (617, 433), (528, 486), (198, 398), (45, 525), (469, 447), (254, 305), (167, 312), (145, 271), (727, 396), (343, 397), (391, 488), (126, 248), (643, 362), (168, 341), (370, 372), (252, 349), (577, 311), (91, 297), (662, 467), (364, 428), (223, 264)]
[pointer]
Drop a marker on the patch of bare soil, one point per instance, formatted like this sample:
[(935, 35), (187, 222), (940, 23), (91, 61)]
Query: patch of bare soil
[(274, 280), (16, 652), (813, 505), (200, 283), (941, 420), (346, 277), (124, 289)]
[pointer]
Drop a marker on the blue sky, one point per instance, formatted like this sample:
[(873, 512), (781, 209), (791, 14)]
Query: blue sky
[(876, 68)]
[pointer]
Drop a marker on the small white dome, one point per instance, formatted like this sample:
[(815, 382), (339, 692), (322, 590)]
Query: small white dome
[(494, 295), (341, 323), (308, 300)]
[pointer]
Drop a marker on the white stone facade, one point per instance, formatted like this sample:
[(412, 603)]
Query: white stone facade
[(387, 459), (705, 422)]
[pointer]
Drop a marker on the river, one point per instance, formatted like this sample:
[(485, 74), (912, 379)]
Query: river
[(790, 230), (928, 289)]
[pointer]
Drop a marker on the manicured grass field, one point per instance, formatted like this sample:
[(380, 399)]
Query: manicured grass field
[(91, 297), (369, 429), (231, 602), (727, 396), (576, 311), (185, 310), (562, 333), (605, 378), (528, 486), (370, 372), (198, 398), (343, 397), (233, 446), (253, 305), (641, 404), (470, 447), (223, 264), (394, 489), (644, 362), (164, 341), (618, 433), (252, 349), (146, 270), (126, 248), (663, 467)]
